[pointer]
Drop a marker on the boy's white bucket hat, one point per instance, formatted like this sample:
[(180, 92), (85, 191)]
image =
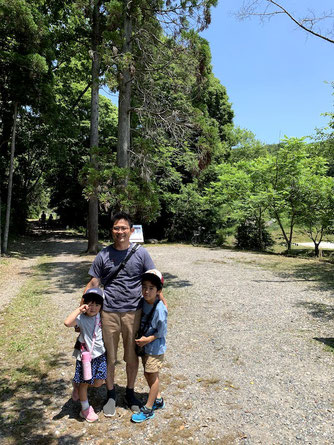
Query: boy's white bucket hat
[(156, 274)]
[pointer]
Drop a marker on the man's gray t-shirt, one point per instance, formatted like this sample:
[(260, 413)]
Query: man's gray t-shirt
[(123, 294)]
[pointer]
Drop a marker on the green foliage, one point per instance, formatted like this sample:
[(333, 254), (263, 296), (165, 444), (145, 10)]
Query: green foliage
[(245, 146), (181, 121), (253, 235), (317, 217), (187, 211), (181, 116), (288, 182)]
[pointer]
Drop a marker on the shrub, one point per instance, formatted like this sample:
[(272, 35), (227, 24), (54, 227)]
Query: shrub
[(253, 236)]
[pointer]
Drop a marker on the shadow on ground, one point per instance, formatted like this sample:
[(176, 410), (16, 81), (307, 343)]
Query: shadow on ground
[(52, 244), (326, 341), (318, 310), (70, 276), (173, 281), (25, 402), (322, 273), (30, 406)]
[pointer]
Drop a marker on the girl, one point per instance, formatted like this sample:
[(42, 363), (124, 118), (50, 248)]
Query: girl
[(87, 317)]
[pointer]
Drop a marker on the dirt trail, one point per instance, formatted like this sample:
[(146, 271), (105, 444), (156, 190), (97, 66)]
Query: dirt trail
[(246, 362), (25, 255)]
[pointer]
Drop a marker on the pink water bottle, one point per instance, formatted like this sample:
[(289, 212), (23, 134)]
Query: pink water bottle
[(86, 365)]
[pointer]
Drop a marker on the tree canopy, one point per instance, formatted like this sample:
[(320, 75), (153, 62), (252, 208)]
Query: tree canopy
[(169, 153)]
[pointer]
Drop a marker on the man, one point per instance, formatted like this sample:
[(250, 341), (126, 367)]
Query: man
[(122, 306)]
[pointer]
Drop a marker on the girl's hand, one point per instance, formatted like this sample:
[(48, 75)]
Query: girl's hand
[(83, 308), (142, 341)]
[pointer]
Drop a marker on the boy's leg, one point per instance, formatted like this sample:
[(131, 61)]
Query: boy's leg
[(152, 379), (152, 365)]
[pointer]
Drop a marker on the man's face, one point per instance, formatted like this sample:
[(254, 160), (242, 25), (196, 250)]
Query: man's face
[(121, 231)]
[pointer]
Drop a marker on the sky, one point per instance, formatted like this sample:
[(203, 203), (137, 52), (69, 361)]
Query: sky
[(277, 76)]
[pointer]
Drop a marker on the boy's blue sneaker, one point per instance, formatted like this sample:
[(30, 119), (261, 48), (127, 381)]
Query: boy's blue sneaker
[(159, 404), (143, 415)]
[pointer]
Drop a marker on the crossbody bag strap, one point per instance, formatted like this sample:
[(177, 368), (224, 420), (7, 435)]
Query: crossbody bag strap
[(149, 318), (134, 249), (97, 325)]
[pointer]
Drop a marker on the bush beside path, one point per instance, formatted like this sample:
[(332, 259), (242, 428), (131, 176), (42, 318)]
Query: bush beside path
[(250, 351)]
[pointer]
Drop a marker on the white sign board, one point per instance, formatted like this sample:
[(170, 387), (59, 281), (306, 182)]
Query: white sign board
[(137, 236)]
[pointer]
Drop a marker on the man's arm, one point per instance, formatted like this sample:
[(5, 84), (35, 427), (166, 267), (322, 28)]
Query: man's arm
[(94, 282), (163, 299), (148, 264)]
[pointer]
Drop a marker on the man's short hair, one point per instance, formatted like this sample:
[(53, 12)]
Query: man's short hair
[(118, 216)]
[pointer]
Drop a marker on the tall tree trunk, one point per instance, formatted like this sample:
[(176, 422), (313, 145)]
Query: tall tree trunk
[(287, 240), (0, 224), (124, 98), (259, 225), (93, 207), (10, 181), (316, 249)]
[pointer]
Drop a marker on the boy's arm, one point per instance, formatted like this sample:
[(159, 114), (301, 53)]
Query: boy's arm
[(159, 324), (142, 341), (70, 321)]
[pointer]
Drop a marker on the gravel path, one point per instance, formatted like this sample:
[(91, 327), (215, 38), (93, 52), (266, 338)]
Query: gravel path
[(244, 340), (243, 365)]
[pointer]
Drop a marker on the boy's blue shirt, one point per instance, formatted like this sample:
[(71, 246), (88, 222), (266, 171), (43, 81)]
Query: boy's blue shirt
[(158, 328)]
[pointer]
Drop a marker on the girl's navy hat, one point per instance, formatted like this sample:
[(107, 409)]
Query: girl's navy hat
[(94, 294)]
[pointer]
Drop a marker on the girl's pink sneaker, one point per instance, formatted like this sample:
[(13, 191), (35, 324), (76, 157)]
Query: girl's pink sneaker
[(89, 414)]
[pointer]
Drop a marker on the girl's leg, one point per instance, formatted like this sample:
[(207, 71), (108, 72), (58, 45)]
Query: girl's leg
[(87, 412), (152, 379), (83, 396), (75, 391), (97, 383)]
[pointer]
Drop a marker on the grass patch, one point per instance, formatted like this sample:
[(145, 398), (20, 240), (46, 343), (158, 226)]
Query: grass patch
[(206, 382), (4, 262), (25, 325), (299, 236), (319, 272), (327, 342), (28, 335)]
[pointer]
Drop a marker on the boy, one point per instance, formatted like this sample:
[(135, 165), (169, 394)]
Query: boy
[(154, 326)]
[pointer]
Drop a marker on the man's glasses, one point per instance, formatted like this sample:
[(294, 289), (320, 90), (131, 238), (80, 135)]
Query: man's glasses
[(120, 229)]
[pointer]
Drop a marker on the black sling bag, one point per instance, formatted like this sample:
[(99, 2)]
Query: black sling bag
[(142, 331), (114, 274)]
